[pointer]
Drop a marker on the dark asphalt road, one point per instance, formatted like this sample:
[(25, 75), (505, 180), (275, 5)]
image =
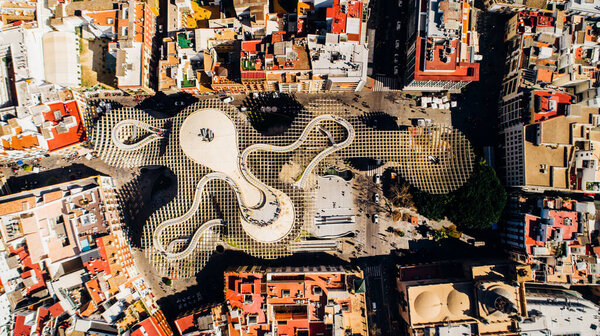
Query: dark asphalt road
[(477, 112)]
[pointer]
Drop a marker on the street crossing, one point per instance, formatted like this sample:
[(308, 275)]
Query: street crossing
[(385, 83), (373, 271)]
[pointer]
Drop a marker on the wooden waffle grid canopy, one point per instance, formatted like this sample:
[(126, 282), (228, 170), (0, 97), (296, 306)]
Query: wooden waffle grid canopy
[(436, 159)]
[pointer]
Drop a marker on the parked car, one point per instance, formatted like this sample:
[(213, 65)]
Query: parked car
[(228, 99), (375, 218), (376, 198), (398, 25), (377, 178), (397, 44)]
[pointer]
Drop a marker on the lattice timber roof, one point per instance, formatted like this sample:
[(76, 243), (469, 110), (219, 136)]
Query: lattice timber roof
[(243, 190)]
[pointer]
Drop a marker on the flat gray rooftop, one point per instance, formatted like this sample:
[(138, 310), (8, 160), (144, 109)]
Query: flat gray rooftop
[(335, 213)]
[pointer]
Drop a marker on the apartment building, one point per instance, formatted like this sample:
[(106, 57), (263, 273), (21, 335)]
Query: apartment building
[(50, 128), (516, 5), (18, 12), (133, 46), (554, 236), (36, 117), (64, 254), (296, 301), (442, 46), (129, 25), (260, 51), (557, 154), (211, 320), (194, 14), (549, 86)]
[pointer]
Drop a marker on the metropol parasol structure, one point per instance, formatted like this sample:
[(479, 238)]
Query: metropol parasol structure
[(242, 190)]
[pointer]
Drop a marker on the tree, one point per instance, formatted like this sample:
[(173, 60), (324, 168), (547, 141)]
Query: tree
[(476, 205), (400, 195), (479, 203), (452, 232), (430, 205), (439, 234), (446, 232)]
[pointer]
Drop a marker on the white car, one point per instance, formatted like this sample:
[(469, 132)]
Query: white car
[(376, 198), (396, 58), (396, 70), (375, 218), (398, 25), (377, 178), (228, 100), (397, 44)]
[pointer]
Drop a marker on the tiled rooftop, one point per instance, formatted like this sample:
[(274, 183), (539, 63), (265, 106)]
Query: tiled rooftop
[(73, 248), (294, 300)]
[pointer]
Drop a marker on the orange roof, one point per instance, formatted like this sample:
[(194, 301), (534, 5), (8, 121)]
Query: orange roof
[(20, 328), (139, 22), (569, 227), (56, 310), (153, 326), (43, 315), (251, 46), (21, 142), (545, 75), (17, 205), (101, 17), (52, 196), (187, 324), (93, 288), (89, 309), (74, 135), (435, 68), (246, 291), (339, 18)]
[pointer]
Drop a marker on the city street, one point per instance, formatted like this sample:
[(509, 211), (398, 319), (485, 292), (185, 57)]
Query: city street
[(477, 112), (383, 236), (382, 303), (389, 21)]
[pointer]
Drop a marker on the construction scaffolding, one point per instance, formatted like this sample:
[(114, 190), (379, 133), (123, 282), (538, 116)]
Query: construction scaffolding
[(436, 159)]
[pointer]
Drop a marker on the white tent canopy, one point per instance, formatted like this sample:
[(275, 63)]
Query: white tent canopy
[(61, 58)]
